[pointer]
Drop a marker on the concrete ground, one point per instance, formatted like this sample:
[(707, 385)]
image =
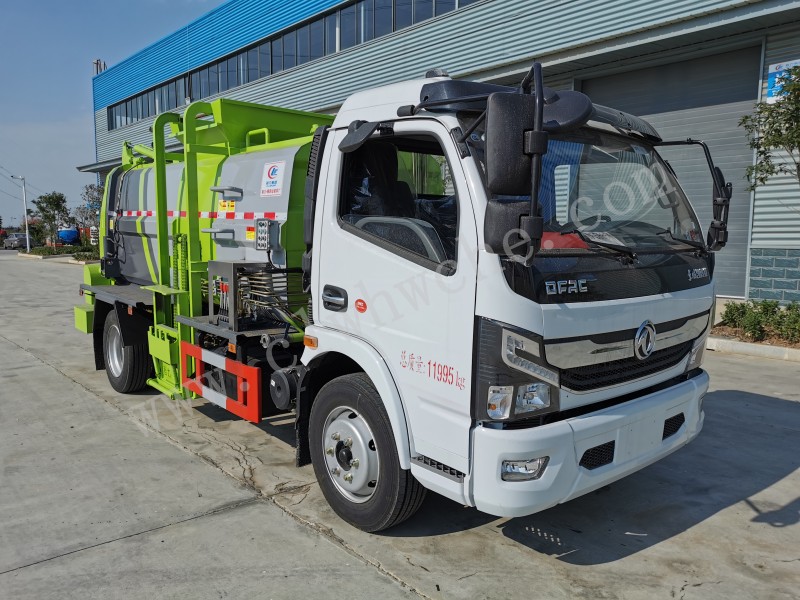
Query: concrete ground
[(107, 495)]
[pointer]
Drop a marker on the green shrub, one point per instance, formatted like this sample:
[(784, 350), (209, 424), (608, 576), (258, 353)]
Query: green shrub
[(753, 325), (50, 251), (789, 326), (769, 310), (733, 314), (87, 256)]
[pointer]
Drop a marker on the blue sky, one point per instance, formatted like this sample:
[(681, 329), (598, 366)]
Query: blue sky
[(46, 53)]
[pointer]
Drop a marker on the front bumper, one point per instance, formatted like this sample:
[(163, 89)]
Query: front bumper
[(635, 427)]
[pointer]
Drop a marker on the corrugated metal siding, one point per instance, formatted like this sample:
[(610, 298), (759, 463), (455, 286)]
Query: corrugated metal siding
[(704, 99), (497, 32), (221, 31), (776, 208), (467, 42)]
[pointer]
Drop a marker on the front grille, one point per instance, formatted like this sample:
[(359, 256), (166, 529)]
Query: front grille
[(590, 377), (672, 425), (598, 456)]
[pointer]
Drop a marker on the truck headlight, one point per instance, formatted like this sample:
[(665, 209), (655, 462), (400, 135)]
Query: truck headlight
[(512, 379), (532, 397)]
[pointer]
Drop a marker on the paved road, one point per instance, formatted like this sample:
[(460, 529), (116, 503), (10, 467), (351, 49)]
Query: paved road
[(106, 495)]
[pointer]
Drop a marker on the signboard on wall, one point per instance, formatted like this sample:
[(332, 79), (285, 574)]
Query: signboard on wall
[(775, 71)]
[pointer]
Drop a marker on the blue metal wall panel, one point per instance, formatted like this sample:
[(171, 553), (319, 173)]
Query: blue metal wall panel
[(225, 29)]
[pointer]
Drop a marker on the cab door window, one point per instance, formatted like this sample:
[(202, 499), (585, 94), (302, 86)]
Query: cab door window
[(398, 193)]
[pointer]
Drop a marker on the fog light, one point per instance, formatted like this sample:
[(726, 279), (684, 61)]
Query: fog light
[(523, 470), (531, 397), (498, 405)]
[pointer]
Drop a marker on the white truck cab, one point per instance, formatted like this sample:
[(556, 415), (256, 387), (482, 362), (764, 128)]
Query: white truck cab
[(509, 381)]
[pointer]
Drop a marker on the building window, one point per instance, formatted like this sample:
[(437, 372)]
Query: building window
[(402, 14), (213, 80), (347, 27), (444, 6), (316, 39), (365, 21), (423, 10), (290, 50), (303, 54), (383, 17), (252, 65), (277, 55), (331, 33), (264, 59)]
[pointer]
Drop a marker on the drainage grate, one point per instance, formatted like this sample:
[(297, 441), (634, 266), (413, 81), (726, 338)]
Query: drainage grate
[(672, 425), (598, 456)]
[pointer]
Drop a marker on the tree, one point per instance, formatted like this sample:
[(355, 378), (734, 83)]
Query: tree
[(52, 210), (773, 131), (86, 214)]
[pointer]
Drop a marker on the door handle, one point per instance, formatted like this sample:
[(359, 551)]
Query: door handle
[(216, 232), (334, 298)]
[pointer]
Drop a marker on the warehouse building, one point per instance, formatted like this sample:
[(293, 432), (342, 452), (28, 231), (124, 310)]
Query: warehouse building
[(693, 69)]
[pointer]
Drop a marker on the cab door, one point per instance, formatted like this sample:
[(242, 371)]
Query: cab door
[(397, 268)]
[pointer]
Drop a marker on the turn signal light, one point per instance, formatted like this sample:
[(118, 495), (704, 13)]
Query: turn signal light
[(309, 341)]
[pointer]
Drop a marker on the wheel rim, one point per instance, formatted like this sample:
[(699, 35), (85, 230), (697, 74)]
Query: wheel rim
[(351, 455), (114, 351)]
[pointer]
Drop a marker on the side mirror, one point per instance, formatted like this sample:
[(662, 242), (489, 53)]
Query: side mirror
[(509, 121), (718, 229)]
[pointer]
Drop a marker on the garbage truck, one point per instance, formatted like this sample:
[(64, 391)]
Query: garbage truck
[(497, 293)]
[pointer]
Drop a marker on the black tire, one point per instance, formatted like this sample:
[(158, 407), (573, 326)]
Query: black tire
[(394, 495), (127, 367)]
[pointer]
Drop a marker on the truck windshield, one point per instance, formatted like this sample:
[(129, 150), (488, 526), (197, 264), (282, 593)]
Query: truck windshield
[(600, 192)]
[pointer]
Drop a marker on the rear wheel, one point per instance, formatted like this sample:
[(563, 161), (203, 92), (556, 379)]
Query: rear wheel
[(127, 367), (355, 457)]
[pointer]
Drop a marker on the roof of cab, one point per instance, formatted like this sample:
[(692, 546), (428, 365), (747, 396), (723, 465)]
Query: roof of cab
[(381, 103)]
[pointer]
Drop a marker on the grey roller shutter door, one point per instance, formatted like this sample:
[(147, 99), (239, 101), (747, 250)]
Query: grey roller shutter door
[(703, 98)]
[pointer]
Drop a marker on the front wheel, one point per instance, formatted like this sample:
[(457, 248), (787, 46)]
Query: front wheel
[(127, 367), (355, 457)]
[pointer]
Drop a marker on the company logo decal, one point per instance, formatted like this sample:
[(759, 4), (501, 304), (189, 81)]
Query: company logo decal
[(701, 273), (272, 179), (361, 306), (644, 342), (566, 286)]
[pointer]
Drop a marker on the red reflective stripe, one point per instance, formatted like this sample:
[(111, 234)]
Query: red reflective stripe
[(249, 215), (269, 216)]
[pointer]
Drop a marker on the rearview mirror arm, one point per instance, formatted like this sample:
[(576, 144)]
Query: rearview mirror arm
[(535, 146), (718, 229)]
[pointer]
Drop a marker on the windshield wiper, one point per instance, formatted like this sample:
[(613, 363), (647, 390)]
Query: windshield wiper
[(698, 245), (615, 247)]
